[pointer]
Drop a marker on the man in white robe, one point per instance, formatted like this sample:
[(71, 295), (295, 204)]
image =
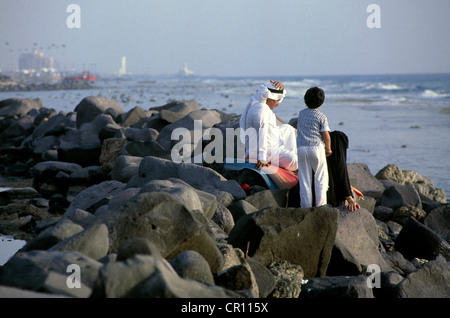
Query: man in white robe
[(265, 141)]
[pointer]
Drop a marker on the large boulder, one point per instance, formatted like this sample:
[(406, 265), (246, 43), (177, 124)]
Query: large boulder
[(49, 272), (398, 195), (174, 111), (430, 281), (300, 236), (92, 242), (422, 184), (199, 177), (356, 245), (361, 178), (161, 218), (92, 106), (18, 106), (151, 277), (417, 240), (193, 199), (95, 196), (438, 220)]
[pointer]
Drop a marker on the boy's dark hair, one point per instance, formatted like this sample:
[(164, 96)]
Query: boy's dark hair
[(314, 97)]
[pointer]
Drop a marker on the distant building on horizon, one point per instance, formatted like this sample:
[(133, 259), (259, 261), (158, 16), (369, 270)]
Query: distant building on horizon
[(36, 62), (123, 68)]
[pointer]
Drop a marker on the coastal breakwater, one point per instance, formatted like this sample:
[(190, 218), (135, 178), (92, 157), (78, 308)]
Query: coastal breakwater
[(107, 213)]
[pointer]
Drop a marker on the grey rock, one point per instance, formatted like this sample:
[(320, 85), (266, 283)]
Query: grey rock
[(18, 106), (52, 235), (422, 184), (431, 281), (48, 271), (137, 245), (95, 196), (92, 106), (438, 220), (240, 208), (125, 167), (399, 195), (362, 179), (92, 242), (202, 178), (162, 219), (191, 265), (300, 236), (417, 240), (190, 197), (223, 218), (356, 245)]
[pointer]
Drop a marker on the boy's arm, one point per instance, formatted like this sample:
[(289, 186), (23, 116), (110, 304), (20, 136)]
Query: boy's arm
[(327, 140)]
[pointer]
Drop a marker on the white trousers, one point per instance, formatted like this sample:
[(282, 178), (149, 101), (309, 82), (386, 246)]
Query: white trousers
[(285, 155), (312, 163)]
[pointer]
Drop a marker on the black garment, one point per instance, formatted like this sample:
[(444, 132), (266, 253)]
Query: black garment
[(339, 183)]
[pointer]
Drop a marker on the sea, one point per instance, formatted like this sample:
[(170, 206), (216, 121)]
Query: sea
[(389, 119)]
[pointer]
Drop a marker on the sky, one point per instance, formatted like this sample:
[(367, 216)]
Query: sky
[(231, 37)]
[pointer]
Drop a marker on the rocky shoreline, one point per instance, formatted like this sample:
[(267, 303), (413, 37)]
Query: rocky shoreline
[(9, 85), (107, 213)]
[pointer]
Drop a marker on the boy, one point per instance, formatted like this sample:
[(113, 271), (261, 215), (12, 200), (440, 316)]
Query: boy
[(314, 145)]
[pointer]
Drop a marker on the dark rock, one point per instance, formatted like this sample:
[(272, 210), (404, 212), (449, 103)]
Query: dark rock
[(223, 218), (92, 242), (191, 265), (336, 287), (92, 106), (18, 106), (163, 220), (133, 116), (240, 208), (422, 184), (147, 148), (399, 195), (438, 220), (174, 111), (398, 262), (417, 240), (300, 236), (356, 245), (431, 281), (137, 245), (10, 195), (95, 196), (47, 271), (205, 179), (52, 235), (362, 179), (383, 213)]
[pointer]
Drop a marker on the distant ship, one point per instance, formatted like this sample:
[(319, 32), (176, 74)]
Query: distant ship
[(85, 76), (184, 71)]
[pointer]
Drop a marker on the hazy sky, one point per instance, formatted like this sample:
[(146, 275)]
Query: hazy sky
[(232, 37)]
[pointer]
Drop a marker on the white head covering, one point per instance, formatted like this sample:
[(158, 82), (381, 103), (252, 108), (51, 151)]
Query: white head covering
[(264, 92)]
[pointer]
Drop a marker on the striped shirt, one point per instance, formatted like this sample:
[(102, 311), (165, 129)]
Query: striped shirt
[(310, 124)]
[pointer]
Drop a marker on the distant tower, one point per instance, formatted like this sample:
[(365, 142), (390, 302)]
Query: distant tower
[(123, 69)]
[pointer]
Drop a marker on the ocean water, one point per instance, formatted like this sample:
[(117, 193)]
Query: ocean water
[(398, 119)]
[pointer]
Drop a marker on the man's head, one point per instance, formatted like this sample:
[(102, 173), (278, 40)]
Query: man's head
[(314, 97), (275, 96)]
